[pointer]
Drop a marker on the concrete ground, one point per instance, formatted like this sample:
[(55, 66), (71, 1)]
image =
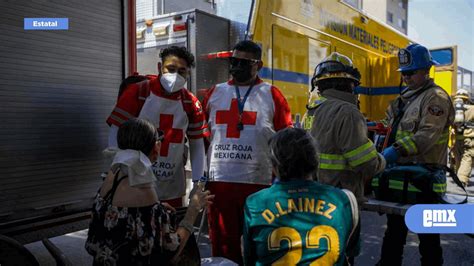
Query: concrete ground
[(457, 249)]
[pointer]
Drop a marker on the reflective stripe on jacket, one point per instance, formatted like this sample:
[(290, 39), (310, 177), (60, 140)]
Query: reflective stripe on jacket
[(346, 154), (423, 132)]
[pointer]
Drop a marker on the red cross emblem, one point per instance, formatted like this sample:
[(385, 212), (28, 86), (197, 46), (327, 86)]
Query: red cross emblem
[(231, 118), (172, 135)]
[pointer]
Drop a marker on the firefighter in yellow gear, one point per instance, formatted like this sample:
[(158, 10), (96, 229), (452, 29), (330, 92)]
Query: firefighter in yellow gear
[(457, 132), (420, 119), (464, 127), (347, 157)]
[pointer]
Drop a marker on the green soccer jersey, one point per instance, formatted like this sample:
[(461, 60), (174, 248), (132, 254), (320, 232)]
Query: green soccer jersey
[(298, 223)]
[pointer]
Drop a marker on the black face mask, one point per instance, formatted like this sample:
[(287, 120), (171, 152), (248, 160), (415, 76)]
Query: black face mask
[(241, 74)]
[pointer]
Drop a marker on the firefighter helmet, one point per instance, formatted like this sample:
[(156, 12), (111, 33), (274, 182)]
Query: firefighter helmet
[(462, 94), (335, 65), (415, 57)]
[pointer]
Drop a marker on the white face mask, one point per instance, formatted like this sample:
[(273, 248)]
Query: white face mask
[(172, 82)]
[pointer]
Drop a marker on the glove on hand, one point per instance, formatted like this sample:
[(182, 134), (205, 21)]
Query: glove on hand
[(371, 124), (391, 155)]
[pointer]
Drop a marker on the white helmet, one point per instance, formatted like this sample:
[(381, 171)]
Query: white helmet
[(463, 94)]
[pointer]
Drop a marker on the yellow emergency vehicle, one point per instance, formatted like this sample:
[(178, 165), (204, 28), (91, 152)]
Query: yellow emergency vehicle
[(296, 35)]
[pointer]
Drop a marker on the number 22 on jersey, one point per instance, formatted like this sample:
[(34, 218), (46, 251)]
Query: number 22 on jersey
[(313, 241)]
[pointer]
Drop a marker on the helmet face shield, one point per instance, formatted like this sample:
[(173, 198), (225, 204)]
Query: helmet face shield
[(335, 66), (329, 67), (334, 69)]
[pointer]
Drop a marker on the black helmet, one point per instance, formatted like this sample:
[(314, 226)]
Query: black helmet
[(335, 65)]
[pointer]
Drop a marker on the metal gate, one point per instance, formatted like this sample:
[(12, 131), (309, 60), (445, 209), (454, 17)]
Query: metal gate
[(56, 90)]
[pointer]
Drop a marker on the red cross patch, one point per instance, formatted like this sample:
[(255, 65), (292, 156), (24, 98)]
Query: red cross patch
[(172, 135), (231, 118)]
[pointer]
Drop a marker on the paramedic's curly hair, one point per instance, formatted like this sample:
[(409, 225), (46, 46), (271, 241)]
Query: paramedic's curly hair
[(179, 52), (293, 153)]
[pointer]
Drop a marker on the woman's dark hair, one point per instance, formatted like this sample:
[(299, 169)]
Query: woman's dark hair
[(249, 47), (179, 52), (340, 84), (293, 153), (137, 134)]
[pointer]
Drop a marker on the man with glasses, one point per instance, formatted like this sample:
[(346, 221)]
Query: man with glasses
[(243, 114), (420, 119), (347, 157), (164, 101)]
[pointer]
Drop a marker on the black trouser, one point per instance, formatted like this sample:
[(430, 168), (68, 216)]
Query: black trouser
[(395, 239), (354, 245)]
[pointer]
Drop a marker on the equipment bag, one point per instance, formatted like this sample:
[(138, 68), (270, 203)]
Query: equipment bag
[(415, 183)]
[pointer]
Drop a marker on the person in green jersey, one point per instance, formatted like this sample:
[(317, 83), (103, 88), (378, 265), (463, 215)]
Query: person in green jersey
[(297, 220)]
